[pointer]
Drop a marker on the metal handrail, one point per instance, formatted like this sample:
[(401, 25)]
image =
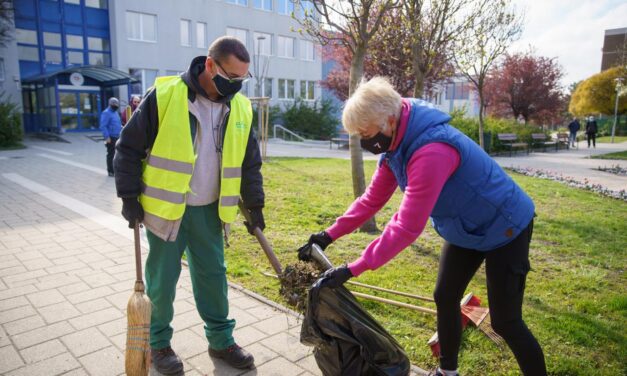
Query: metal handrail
[(285, 130)]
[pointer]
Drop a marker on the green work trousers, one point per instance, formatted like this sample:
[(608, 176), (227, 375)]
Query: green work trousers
[(200, 236)]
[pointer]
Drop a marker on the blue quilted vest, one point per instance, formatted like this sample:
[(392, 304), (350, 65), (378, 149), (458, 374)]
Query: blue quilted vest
[(480, 207)]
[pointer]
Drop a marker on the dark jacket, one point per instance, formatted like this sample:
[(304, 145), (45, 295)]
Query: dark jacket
[(140, 132), (591, 127), (574, 126)]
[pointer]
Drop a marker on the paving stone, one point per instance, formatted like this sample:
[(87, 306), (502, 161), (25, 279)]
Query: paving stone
[(85, 341), (309, 363), (64, 260), (43, 351), (30, 255), (91, 257), (112, 357), (206, 365), (16, 313), (241, 317), (23, 325), (4, 338), (273, 325), (52, 366), (247, 335), (40, 335), (93, 305), (99, 279), (44, 298), (188, 344), (37, 264), (276, 367), (120, 299), (287, 345), (119, 340), (74, 288), (114, 327), (10, 265), (263, 312), (56, 281), (245, 302), (13, 270), (77, 372), (186, 320), (66, 267), (95, 318), (181, 306), (125, 285), (261, 353), (58, 312), (90, 294), (11, 303), (10, 359)]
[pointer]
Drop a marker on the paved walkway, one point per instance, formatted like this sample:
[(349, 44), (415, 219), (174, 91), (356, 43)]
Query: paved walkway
[(67, 271)]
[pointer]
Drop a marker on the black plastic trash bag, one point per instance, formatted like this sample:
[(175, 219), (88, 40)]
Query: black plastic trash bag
[(346, 339)]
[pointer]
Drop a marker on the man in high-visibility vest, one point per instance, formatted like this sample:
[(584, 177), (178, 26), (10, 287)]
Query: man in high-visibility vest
[(181, 164)]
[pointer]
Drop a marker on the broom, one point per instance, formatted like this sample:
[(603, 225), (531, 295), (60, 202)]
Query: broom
[(138, 311), (480, 316)]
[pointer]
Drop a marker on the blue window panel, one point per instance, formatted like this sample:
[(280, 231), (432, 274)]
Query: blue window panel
[(25, 24), (73, 29), (49, 11), (72, 13), (98, 18), (29, 68), (53, 67), (25, 9), (100, 33), (51, 27)]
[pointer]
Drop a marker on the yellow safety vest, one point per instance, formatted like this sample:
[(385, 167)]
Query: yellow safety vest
[(168, 170)]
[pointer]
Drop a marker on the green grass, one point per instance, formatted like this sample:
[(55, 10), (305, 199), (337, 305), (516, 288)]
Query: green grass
[(576, 299), (617, 155), (607, 139)]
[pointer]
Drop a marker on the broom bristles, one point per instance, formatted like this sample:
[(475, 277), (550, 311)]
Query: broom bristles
[(480, 316), (137, 359)]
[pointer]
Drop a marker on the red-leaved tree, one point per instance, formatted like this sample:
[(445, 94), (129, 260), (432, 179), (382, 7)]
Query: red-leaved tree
[(526, 86)]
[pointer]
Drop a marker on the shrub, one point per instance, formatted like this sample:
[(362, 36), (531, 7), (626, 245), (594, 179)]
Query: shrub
[(317, 121), (10, 123), (274, 113)]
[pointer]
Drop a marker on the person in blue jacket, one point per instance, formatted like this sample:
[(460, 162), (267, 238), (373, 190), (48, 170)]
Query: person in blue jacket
[(111, 125)]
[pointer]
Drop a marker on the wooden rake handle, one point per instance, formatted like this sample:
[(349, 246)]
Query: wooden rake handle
[(138, 254), (265, 245)]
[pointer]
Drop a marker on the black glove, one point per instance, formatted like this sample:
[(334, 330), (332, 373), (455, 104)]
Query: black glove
[(322, 239), (132, 211), (256, 220), (336, 277)]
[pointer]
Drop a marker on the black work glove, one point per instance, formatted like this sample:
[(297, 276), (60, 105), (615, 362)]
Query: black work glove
[(132, 211), (336, 277), (322, 239), (256, 220)]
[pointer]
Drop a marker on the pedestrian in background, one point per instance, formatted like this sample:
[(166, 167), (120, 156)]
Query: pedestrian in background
[(111, 125), (126, 115), (573, 127), (591, 131)]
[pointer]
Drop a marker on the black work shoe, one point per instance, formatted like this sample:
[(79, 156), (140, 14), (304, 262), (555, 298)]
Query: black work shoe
[(166, 361), (234, 356)]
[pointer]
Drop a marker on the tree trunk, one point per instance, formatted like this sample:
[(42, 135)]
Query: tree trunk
[(418, 75), (357, 159), (481, 110)]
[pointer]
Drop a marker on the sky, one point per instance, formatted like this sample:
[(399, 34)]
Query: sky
[(571, 31)]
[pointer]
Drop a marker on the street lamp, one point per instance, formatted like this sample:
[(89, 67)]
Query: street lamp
[(258, 74), (619, 86)]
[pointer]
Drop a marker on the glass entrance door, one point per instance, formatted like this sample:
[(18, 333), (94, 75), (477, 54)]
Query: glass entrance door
[(79, 110)]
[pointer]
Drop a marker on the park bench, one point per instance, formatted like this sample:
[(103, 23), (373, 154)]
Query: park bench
[(510, 141), (541, 139), (563, 139), (341, 141)]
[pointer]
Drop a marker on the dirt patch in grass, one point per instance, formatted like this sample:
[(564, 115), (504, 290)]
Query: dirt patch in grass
[(296, 280)]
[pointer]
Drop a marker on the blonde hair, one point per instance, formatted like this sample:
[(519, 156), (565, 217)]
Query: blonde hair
[(372, 103)]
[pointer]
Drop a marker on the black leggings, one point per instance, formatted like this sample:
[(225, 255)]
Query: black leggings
[(506, 272)]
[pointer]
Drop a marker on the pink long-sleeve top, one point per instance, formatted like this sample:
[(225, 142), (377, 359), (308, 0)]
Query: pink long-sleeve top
[(427, 171)]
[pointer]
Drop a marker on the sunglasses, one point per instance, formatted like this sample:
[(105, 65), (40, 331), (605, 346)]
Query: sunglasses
[(231, 80)]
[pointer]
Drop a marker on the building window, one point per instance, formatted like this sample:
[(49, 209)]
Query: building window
[(53, 56), (98, 44), (186, 33), (286, 89), (141, 26), (146, 77), (458, 90), (52, 39), (307, 90), (26, 36), (266, 88), (306, 9), (98, 58), (1, 69), (263, 4), (307, 50), (201, 35), (240, 34), (75, 57), (243, 3), (27, 53), (285, 7), (286, 47), (102, 4), (263, 42), (74, 41)]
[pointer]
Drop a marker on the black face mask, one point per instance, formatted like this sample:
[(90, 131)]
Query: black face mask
[(114, 108), (226, 87), (377, 144)]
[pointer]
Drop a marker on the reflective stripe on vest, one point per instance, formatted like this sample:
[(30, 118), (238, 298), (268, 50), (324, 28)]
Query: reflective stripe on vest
[(234, 150), (169, 167)]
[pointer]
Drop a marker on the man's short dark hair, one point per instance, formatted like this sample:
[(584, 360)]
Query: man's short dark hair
[(222, 47)]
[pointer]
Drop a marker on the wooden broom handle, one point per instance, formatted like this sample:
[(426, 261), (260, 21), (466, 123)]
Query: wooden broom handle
[(138, 253), (265, 245)]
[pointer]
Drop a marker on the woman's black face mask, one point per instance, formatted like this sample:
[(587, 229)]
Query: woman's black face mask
[(377, 144)]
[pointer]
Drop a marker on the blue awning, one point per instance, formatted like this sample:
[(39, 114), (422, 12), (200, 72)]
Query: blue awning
[(104, 76)]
